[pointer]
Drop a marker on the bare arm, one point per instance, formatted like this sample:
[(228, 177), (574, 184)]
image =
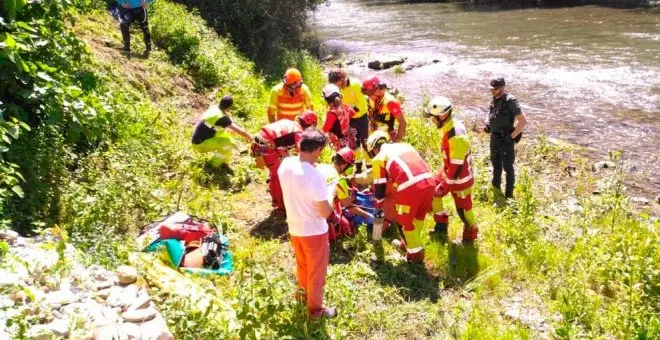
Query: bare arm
[(323, 208), (239, 130), (521, 122), (401, 131)]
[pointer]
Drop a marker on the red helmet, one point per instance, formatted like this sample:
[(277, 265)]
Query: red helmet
[(292, 76), (347, 155), (307, 118), (372, 83)]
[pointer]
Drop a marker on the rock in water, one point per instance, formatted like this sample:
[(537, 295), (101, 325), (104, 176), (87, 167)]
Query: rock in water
[(603, 165), (657, 199), (640, 200), (384, 62), (126, 274)]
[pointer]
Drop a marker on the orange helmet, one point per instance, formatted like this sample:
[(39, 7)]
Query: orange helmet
[(292, 76)]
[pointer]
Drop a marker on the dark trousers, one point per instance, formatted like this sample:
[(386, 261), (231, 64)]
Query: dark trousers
[(503, 155), (361, 126), (127, 17)]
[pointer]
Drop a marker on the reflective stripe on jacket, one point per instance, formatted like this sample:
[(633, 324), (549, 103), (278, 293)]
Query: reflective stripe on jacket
[(399, 164), (287, 106), (457, 167)]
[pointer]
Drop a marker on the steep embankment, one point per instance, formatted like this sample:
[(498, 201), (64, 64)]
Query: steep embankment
[(559, 261)]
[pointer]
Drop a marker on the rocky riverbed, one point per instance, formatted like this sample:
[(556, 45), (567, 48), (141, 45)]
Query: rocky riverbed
[(46, 292)]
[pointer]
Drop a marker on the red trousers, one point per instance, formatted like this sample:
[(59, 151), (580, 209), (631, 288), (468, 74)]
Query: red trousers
[(273, 159), (312, 256), (414, 203)]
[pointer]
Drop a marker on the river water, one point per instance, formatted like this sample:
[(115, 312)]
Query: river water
[(588, 74)]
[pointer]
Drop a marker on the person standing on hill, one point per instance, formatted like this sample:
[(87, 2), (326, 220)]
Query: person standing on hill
[(455, 176), (211, 135), (385, 110), (351, 95), (505, 124), (273, 142), (130, 11), (307, 207), (289, 98)]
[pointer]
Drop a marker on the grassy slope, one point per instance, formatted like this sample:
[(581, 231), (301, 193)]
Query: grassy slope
[(571, 266)]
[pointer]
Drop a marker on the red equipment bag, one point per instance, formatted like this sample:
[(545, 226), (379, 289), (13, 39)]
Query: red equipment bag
[(191, 230)]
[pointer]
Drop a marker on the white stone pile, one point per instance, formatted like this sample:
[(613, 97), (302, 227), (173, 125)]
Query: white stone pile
[(58, 297)]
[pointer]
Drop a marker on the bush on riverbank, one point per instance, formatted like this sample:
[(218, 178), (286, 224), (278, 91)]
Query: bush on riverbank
[(266, 31)]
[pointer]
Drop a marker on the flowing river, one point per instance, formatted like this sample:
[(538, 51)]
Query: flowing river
[(588, 74)]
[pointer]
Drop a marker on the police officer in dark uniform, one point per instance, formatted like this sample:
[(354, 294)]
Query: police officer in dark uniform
[(505, 124)]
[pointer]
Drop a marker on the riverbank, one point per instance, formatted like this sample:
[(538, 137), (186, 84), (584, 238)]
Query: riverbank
[(559, 262)]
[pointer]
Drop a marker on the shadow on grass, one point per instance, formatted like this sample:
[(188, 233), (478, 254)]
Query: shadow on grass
[(215, 176), (462, 263), (413, 279), (273, 227)]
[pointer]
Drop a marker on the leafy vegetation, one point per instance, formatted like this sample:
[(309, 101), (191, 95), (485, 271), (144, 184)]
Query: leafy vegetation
[(557, 262), (266, 31)]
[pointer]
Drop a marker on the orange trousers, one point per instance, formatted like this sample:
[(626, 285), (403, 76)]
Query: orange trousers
[(312, 255)]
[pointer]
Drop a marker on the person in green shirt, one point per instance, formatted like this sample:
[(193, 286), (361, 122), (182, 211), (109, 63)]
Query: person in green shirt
[(210, 134), (351, 92)]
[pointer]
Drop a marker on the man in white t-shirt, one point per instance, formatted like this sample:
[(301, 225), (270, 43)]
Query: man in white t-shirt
[(306, 202)]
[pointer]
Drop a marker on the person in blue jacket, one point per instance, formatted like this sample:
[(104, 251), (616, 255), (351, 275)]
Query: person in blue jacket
[(130, 11)]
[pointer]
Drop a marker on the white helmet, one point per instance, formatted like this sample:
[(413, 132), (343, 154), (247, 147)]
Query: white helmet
[(438, 106), (330, 92), (377, 137)]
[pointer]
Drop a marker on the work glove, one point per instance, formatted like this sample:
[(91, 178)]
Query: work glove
[(441, 189)]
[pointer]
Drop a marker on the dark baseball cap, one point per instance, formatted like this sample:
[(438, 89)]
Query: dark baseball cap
[(497, 83)]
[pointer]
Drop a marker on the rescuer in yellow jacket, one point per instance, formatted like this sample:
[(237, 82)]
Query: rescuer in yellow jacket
[(289, 98)]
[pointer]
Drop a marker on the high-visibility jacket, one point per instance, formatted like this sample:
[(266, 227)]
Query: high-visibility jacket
[(286, 106), (352, 96), (384, 112), (457, 168), (400, 165), (282, 133)]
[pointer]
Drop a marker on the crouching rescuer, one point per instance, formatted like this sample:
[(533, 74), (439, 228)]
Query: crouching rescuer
[(210, 135), (401, 167), (455, 176)]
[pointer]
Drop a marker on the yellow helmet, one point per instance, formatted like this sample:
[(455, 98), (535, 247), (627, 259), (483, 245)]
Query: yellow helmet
[(376, 138)]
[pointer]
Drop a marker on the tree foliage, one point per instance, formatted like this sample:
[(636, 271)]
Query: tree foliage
[(261, 29)]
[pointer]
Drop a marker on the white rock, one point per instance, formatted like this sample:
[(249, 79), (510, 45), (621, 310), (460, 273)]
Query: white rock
[(131, 330), (107, 332), (123, 297), (142, 302), (39, 332), (8, 235), (59, 327), (139, 315), (126, 274), (61, 297), (156, 329), (9, 279), (104, 284)]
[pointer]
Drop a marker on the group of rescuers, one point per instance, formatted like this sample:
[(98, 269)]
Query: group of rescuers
[(365, 126)]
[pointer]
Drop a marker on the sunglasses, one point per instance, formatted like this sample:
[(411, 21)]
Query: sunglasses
[(294, 86)]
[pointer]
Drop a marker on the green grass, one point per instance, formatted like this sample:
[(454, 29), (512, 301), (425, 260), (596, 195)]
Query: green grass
[(587, 272)]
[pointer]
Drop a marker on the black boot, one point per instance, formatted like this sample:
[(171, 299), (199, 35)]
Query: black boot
[(440, 232)]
